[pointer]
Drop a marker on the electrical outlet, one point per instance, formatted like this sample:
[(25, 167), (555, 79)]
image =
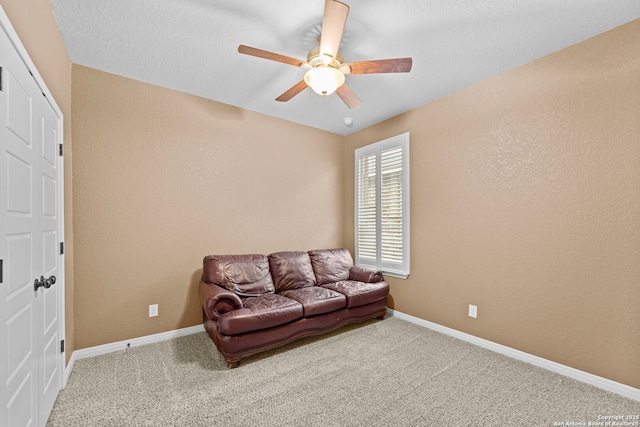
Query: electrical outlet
[(153, 310), (473, 311)]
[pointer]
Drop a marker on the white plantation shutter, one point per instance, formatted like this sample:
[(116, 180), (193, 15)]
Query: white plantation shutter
[(391, 205), (382, 206), (367, 209)]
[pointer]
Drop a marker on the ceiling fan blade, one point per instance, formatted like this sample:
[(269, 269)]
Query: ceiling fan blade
[(396, 65), (247, 50), (348, 96), (296, 89), (335, 17)]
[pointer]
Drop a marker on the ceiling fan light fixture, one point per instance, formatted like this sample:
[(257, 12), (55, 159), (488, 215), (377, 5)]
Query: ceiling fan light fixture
[(324, 80), (325, 65)]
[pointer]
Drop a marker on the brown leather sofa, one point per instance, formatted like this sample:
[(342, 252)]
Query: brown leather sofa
[(252, 303)]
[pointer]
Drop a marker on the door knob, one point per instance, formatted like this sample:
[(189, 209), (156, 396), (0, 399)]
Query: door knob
[(49, 282), (44, 283), (38, 283)]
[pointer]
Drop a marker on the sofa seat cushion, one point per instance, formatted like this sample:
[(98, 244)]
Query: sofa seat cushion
[(360, 293), (262, 312), (316, 300), (291, 270), (331, 265)]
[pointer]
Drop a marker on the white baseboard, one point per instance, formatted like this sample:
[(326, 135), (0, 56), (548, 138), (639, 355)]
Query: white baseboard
[(123, 345), (576, 374)]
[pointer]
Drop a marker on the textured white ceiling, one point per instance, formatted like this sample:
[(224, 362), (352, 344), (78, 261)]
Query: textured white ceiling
[(191, 46)]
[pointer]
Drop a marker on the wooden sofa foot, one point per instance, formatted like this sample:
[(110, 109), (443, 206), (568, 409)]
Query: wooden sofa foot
[(381, 317), (232, 363)]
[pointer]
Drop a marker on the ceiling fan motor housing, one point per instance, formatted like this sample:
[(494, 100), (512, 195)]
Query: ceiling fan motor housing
[(316, 59)]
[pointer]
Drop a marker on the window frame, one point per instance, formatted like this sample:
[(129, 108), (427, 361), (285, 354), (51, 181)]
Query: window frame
[(401, 270)]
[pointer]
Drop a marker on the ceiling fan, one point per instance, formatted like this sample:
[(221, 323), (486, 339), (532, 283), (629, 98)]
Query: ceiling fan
[(325, 64)]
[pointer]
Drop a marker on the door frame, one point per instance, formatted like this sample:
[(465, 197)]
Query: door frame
[(7, 27)]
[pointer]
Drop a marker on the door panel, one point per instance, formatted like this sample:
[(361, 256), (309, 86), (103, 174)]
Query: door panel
[(49, 142), (49, 187), (20, 349), (19, 105), (22, 232), (50, 252), (21, 407), (21, 385), (31, 363), (18, 264), (19, 196), (50, 377)]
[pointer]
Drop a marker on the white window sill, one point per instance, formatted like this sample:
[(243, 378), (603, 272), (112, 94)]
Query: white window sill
[(396, 274)]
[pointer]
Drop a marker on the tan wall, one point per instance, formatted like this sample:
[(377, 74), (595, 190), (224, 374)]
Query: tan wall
[(164, 178), (36, 26), (525, 201)]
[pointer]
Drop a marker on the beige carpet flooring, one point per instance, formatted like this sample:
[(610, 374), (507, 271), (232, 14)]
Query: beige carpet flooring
[(380, 373)]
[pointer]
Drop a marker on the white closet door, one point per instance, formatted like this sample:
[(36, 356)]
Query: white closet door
[(30, 359), (48, 305)]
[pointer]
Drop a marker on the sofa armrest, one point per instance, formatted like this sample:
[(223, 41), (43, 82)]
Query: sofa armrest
[(360, 274), (217, 300)]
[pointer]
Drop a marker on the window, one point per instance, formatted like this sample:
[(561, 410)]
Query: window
[(382, 206)]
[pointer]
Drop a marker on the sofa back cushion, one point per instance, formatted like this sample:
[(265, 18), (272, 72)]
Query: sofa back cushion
[(246, 275), (291, 270), (331, 265)]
